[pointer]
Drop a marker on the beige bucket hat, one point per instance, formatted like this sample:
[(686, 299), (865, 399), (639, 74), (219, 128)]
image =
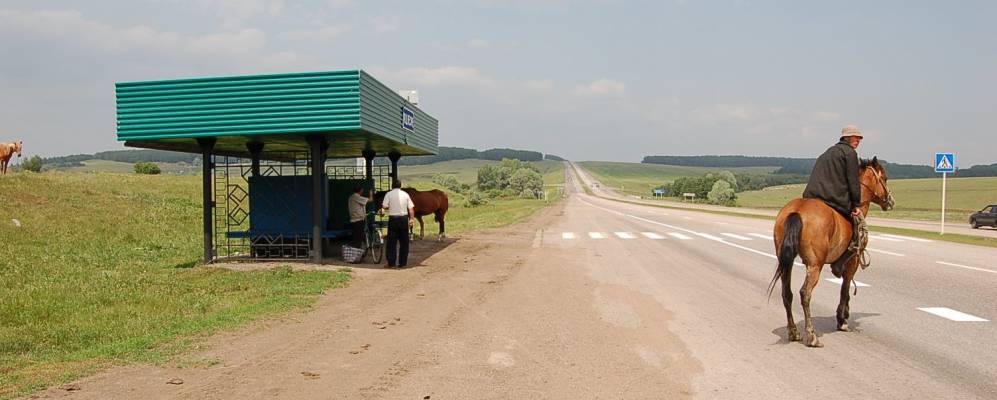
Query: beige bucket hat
[(851, 130)]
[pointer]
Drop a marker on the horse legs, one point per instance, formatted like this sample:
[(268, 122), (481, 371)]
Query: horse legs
[(422, 228), (846, 282), (813, 276), (443, 230), (787, 301)]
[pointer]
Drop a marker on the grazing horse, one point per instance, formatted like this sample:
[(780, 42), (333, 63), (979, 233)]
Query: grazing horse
[(7, 151), (429, 202), (819, 235)]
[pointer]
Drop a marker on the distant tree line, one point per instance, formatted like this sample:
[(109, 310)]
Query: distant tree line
[(127, 156), (803, 166), (459, 153)]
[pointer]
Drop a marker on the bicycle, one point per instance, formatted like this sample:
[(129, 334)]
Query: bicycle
[(373, 238)]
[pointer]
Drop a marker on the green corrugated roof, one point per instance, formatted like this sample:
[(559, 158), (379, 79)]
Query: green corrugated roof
[(352, 109)]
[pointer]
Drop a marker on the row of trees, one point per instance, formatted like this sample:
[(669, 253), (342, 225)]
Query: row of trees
[(459, 153), (803, 166)]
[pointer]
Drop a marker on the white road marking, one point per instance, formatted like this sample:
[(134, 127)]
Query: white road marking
[(709, 236), (720, 223), (679, 236), (736, 236), (568, 235), (966, 267), (684, 230), (538, 239), (951, 314), (761, 236), (624, 235), (689, 218), (888, 239), (908, 238), (884, 252), (839, 280), (652, 235), (596, 235)]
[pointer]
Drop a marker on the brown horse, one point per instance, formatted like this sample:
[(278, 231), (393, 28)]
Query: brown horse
[(819, 235), (7, 151), (429, 202)]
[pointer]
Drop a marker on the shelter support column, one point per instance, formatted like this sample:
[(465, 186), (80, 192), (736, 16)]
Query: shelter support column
[(368, 156), (255, 148), (394, 155), (207, 145), (318, 146)]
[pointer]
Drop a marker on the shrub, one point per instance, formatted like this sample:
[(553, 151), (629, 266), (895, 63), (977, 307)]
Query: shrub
[(474, 199), (722, 193), (147, 168), (33, 164)]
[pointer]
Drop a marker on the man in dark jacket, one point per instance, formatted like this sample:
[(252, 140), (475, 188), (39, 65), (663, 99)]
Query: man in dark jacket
[(835, 180)]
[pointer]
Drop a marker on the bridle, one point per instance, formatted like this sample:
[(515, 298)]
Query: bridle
[(879, 178)]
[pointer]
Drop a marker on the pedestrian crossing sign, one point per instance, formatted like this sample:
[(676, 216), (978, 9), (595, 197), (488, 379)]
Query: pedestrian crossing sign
[(944, 162)]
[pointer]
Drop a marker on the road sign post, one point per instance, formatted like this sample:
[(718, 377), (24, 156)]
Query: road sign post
[(944, 164)]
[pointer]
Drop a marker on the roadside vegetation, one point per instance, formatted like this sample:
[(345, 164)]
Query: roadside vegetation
[(97, 271)]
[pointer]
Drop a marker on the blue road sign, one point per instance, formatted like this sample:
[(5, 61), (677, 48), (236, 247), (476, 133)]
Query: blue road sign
[(944, 162)]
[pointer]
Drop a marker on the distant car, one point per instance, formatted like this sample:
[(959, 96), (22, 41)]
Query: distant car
[(985, 217)]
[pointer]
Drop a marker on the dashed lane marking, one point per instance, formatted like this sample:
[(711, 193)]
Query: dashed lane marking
[(966, 267), (735, 236), (679, 236), (709, 236), (596, 235), (568, 235), (839, 281), (914, 239), (884, 252), (888, 239), (652, 235), (624, 235), (761, 236), (951, 314)]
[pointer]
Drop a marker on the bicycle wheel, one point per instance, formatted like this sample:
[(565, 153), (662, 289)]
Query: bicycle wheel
[(375, 244)]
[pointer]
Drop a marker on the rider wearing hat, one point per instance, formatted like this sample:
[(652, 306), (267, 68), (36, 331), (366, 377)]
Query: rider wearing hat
[(835, 180)]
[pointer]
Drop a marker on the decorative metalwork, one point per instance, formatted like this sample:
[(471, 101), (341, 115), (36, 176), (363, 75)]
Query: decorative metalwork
[(235, 234)]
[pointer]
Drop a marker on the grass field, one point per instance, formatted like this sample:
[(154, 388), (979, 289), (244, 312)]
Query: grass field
[(100, 272), (917, 199), (639, 179)]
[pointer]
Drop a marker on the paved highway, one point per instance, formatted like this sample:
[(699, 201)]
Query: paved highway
[(922, 315)]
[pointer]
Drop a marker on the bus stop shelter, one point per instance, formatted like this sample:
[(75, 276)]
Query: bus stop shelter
[(274, 134)]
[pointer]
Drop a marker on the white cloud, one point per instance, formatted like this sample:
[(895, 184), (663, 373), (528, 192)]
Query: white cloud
[(477, 43), (235, 14), (384, 24), (68, 27), (325, 33), (601, 88), (442, 76)]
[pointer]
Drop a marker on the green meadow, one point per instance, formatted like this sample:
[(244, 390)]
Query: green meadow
[(640, 179), (916, 199)]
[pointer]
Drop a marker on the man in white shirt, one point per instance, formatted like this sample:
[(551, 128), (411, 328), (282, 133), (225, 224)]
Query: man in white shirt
[(358, 213), (401, 214)]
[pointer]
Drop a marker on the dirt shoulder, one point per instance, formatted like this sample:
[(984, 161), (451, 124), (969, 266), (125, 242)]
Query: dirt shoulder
[(485, 315)]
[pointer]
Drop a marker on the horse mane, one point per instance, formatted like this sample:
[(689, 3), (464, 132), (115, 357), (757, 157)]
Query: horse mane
[(874, 163)]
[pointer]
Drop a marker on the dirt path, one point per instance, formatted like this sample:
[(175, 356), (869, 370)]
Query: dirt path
[(489, 315)]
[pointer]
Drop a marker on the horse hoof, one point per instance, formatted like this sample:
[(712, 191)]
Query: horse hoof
[(844, 328), (814, 342), (794, 337)]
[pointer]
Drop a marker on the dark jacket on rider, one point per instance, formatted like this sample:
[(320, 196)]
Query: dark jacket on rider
[(835, 179)]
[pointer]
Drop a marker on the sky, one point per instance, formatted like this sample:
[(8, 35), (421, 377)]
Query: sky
[(586, 80)]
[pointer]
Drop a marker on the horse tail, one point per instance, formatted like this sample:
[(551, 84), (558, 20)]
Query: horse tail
[(444, 203), (789, 248)]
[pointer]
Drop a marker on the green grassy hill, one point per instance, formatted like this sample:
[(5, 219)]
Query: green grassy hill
[(918, 199), (639, 179)]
